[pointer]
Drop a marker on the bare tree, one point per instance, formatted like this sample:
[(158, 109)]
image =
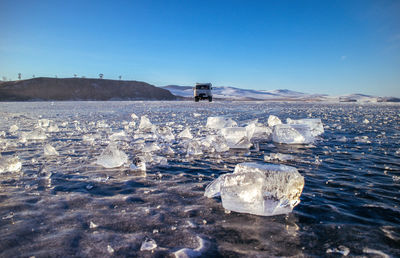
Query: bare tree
[(101, 76), (33, 76), (75, 75), (19, 76), (56, 76), (120, 77), (4, 78)]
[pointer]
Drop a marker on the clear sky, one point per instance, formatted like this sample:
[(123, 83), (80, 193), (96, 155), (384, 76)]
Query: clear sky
[(332, 47)]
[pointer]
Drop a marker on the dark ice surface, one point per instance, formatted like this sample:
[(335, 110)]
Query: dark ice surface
[(68, 206)]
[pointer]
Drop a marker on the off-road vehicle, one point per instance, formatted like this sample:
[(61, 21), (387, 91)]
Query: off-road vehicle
[(202, 91)]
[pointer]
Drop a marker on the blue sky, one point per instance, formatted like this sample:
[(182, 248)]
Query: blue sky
[(332, 47)]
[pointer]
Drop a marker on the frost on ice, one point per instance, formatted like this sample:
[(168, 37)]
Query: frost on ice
[(112, 157), (260, 189)]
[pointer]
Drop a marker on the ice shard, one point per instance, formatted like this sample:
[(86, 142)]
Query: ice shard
[(273, 120), (315, 125), (112, 157), (236, 137), (10, 164), (292, 134), (259, 189), (219, 122)]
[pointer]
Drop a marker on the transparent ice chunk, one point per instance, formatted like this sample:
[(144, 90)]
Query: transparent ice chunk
[(13, 129), (44, 122), (118, 136), (260, 189), (216, 142), (236, 137), (150, 147), (37, 134), (148, 245), (134, 116), (10, 164), (278, 156), (219, 122), (50, 150), (145, 125), (186, 134), (53, 128), (112, 157), (193, 147), (273, 120), (258, 131), (165, 134), (315, 124), (292, 134)]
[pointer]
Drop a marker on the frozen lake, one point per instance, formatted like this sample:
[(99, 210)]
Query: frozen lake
[(62, 203)]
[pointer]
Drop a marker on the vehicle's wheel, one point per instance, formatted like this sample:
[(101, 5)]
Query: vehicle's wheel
[(196, 99), (209, 99)]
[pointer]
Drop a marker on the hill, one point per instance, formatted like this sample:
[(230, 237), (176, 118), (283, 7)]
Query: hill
[(232, 93), (43, 88)]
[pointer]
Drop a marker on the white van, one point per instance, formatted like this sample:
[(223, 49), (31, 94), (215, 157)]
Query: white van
[(202, 91)]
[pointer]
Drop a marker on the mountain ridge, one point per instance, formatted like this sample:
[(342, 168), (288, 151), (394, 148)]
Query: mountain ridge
[(232, 93), (44, 88)]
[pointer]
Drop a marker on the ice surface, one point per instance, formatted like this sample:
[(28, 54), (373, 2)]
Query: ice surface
[(148, 245), (260, 189), (219, 122), (10, 164), (273, 120), (49, 150), (185, 134), (112, 157), (292, 134), (236, 137), (315, 125), (199, 251)]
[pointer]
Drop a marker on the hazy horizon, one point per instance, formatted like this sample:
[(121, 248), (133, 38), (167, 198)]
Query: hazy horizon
[(335, 48)]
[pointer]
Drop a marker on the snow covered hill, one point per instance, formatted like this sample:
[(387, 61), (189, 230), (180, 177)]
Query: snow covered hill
[(231, 93), (244, 94)]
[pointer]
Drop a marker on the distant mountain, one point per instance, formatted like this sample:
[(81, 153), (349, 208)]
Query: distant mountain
[(232, 93), (80, 89)]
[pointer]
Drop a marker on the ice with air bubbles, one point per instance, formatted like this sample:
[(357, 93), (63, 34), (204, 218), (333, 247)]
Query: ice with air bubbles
[(260, 189)]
